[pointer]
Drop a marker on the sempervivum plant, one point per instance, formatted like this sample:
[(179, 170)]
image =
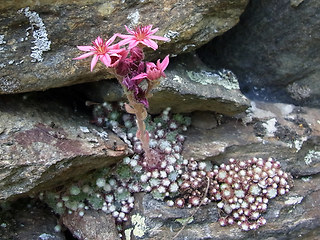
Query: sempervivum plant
[(111, 190), (246, 188), (125, 60), (241, 188), (162, 178), (197, 181)]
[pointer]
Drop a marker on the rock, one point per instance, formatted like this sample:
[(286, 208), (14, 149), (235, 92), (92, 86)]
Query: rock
[(189, 86), (204, 144), (204, 120), (38, 40), (294, 139), (94, 225), (151, 218), (27, 219), (44, 144), (273, 51)]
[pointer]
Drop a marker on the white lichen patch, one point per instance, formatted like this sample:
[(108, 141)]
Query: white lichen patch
[(171, 34), (223, 78), (177, 79), (253, 112), (106, 8), (286, 109), (306, 179), (311, 156), (45, 236), (8, 84), (297, 144), (186, 47), (134, 18), (293, 200), (270, 127), (127, 233), (139, 225), (2, 42), (39, 33), (84, 129)]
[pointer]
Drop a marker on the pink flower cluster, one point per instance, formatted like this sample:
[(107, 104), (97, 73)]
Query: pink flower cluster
[(128, 61)]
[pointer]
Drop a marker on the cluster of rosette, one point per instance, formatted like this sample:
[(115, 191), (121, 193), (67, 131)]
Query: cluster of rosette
[(242, 189)]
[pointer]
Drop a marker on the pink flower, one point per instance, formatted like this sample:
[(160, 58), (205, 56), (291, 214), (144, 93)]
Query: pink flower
[(117, 54), (143, 35), (102, 51), (154, 71)]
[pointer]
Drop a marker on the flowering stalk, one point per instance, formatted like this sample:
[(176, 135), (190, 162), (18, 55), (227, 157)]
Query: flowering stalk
[(127, 65), (142, 134)]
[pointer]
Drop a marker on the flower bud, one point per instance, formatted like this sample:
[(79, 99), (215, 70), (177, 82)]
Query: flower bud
[(136, 54), (123, 67)]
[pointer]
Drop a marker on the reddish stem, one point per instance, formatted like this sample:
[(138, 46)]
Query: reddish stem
[(141, 113)]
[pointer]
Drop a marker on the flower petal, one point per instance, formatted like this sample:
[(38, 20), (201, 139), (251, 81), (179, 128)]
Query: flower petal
[(159, 38), (125, 41), (150, 65), (84, 56), (149, 27), (150, 43), (129, 30), (85, 48), (125, 36), (139, 76), (133, 43), (98, 41), (164, 63), (105, 59), (111, 40), (154, 30), (94, 62)]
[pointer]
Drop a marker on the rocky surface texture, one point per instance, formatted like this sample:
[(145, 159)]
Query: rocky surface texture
[(50, 151), (189, 86), (28, 219), (273, 51), (37, 44), (40, 149), (93, 225)]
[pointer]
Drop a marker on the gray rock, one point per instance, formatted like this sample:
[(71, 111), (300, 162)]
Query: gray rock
[(189, 86), (25, 219), (204, 120), (94, 225), (43, 144), (289, 134), (274, 51), (37, 44)]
